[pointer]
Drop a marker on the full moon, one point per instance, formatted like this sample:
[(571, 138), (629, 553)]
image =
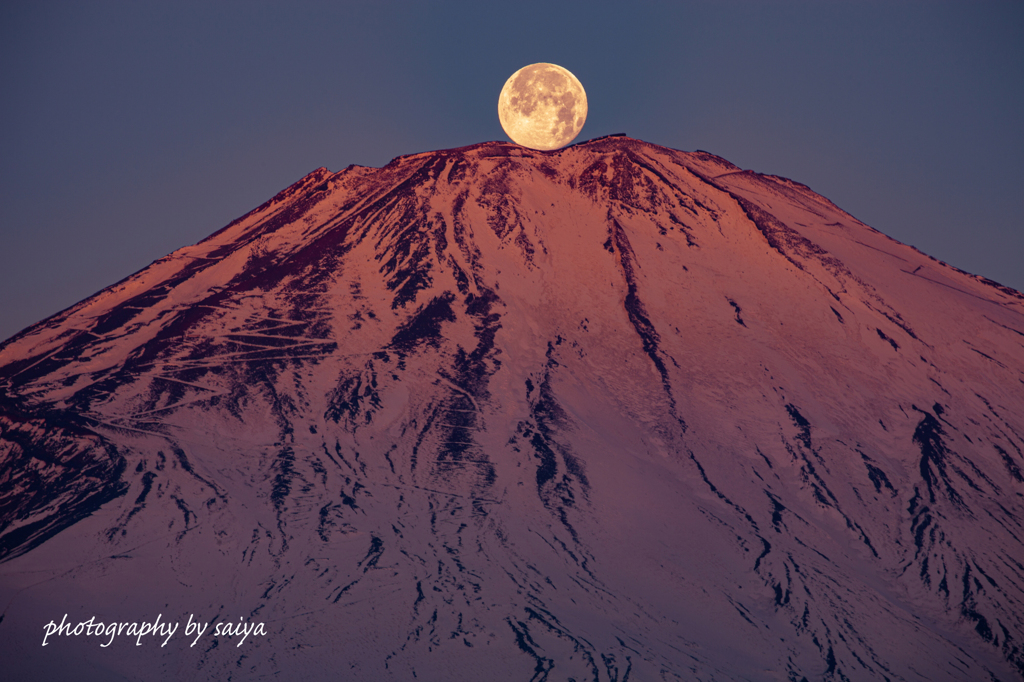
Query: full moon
[(542, 106)]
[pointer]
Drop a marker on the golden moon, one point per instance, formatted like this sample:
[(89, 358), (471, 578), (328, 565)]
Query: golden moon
[(542, 106)]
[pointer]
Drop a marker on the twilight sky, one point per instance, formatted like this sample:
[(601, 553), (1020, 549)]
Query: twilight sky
[(130, 129)]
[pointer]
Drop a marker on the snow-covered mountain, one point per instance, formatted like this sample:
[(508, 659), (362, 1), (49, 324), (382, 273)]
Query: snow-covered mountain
[(614, 412)]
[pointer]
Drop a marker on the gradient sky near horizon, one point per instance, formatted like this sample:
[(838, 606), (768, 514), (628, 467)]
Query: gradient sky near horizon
[(130, 129)]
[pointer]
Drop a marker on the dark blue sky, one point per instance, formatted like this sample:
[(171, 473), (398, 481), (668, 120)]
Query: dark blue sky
[(131, 129)]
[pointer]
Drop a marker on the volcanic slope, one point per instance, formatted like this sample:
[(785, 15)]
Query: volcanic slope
[(610, 412)]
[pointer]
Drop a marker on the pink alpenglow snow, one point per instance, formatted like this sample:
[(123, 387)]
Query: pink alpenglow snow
[(609, 412)]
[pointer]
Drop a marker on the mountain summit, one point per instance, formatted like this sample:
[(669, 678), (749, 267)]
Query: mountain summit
[(613, 412)]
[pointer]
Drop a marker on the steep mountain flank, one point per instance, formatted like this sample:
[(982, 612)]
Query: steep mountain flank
[(613, 412)]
